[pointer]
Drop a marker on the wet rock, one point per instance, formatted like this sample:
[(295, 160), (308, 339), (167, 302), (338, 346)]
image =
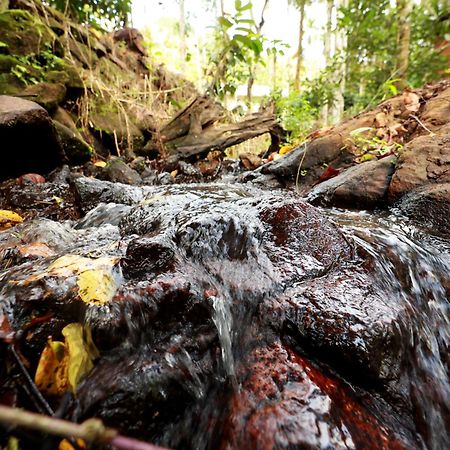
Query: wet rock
[(118, 171), (250, 161), (429, 206), (29, 139), (50, 200), (285, 402), (363, 186), (424, 160)]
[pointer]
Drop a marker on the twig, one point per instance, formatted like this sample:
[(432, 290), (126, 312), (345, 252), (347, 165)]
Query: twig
[(34, 390), (422, 124), (91, 430)]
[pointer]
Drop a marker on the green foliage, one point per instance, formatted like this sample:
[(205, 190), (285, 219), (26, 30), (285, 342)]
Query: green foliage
[(371, 52), (95, 12), (295, 113), (238, 47), (34, 68)]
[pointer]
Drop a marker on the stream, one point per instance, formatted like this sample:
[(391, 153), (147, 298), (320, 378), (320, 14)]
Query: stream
[(243, 319)]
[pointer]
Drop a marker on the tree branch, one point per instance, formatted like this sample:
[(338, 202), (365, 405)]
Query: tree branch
[(91, 430)]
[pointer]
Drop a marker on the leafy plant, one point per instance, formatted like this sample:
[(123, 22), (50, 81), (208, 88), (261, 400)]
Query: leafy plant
[(95, 11)]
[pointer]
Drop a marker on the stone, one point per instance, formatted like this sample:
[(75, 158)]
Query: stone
[(30, 142), (363, 186), (429, 206), (250, 161), (119, 134), (24, 33), (424, 160), (118, 171), (48, 95), (77, 151)]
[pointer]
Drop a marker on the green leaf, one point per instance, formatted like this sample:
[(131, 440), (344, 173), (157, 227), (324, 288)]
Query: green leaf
[(246, 7), (246, 41), (238, 5), (225, 23)]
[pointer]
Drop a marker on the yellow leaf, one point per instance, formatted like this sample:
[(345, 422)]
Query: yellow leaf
[(80, 359), (51, 373), (63, 365), (285, 149), (66, 445), (174, 173), (100, 163), (96, 286), (8, 219)]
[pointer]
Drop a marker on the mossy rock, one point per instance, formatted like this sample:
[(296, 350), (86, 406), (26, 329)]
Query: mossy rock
[(23, 33), (111, 127), (58, 76), (82, 53), (48, 95), (7, 62), (75, 148), (10, 85)]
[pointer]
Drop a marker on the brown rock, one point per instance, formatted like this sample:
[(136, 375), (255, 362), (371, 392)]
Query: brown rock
[(29, 139), (429, 206), (250, 161), (362, 186), (425, 159)]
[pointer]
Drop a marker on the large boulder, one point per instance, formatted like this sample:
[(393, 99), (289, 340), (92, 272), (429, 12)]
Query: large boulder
[(364, 186), (424, 160), (29, 139)]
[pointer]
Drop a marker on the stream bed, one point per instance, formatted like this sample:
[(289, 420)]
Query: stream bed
[(237, 318)]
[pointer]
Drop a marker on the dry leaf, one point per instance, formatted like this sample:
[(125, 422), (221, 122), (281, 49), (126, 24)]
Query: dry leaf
[(36, 249), (381, 120), (8, 219), (99, 163), (66, 445), (412, 101), (51, 374)]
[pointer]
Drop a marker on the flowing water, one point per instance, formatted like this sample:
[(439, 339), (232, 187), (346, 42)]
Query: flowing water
[(414, 266), (247, 320)]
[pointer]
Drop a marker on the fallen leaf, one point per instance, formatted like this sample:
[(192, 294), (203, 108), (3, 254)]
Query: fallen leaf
[(412, 101), (285, 149), (63, 365), (80, 356), (329, 172), (8, 219), (96, 286), (174, 173), (31, 178), (36, 249), (51, 373), (66, 445), (100, 163), (381, 120)]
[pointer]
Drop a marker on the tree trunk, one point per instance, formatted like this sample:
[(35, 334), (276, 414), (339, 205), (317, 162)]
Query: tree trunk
[(182, 36), (251, 78), (327, 53), (300, 47), (404, 9), (337, 109)]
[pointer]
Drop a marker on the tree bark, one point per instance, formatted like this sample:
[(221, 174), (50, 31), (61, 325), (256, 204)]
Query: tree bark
[(300, 47), (404, 9), (182, 37), (327, 53), (337, 109), (251, 78)]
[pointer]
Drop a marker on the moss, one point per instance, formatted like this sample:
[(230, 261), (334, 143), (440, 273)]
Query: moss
[(58, 76), (9, 84), (23, 33), (7, 62), (48, 95)]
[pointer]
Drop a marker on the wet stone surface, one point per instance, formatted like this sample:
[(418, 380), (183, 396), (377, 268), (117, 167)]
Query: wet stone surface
[(241, 319)]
